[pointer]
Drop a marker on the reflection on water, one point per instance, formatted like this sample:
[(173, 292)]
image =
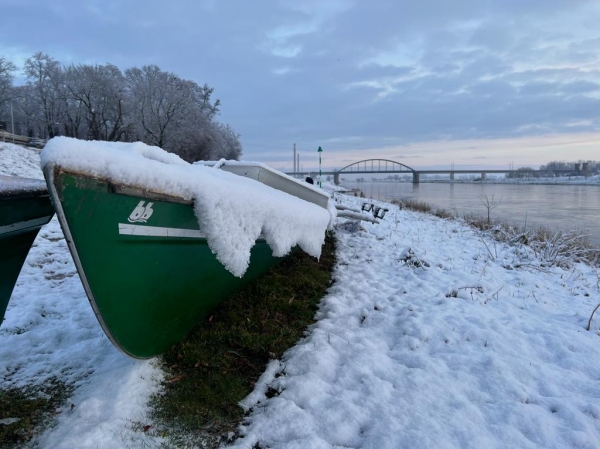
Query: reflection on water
[(555, 206)]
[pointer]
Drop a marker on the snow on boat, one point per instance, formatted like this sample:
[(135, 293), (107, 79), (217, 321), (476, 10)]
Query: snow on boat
[(24, 208), (158, 242)]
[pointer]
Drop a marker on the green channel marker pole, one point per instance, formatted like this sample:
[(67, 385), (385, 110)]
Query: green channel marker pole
[(320, 150)]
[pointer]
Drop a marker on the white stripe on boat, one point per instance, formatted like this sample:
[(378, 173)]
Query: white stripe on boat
[(158, 231), (35, 223)]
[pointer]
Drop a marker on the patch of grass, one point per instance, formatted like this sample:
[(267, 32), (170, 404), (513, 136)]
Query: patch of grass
[(443, 213), (218, 363), (414, 205), (478, 222), (559, 247), (25, 412)]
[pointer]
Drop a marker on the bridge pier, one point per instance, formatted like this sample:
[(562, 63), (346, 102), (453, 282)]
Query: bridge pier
[(415, 177), (451, 176), (336, 178), (483, 176)]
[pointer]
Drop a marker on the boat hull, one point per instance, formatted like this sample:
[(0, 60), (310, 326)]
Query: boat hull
[(148, 271), (22, 214)]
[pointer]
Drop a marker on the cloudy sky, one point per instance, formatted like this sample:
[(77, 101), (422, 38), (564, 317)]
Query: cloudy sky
[(428, 83)]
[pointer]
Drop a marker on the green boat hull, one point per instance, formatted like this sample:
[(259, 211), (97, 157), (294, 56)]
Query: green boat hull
[(148, 271), (22, 213)]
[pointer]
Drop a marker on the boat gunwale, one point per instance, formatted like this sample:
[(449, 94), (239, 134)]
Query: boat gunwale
[(33, 188), (127, 189), (132, 189)]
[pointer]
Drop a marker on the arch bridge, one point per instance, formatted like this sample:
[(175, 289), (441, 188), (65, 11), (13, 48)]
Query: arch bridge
[(375, 166), (387, 166)]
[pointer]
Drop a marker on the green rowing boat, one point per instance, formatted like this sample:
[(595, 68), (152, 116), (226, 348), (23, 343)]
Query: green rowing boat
[(145, 264), (24, 208)]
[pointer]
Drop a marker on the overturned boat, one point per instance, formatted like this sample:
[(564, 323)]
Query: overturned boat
[(24, 208), (158, 242)]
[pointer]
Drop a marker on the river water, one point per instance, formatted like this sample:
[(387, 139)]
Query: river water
[(553, 206)]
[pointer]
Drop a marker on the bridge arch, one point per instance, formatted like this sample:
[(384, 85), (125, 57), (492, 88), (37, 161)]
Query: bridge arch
[(375, 165)]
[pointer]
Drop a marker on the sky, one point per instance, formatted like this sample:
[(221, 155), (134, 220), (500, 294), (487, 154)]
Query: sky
[(477, 84)]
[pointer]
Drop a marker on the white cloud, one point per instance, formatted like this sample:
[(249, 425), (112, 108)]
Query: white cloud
[(407, 54), (280, 71), (290, 51), (577, 123), (282, 34)]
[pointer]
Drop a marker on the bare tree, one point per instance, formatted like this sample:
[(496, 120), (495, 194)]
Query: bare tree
[(489, 204)]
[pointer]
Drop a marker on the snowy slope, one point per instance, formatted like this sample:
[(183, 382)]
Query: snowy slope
[(425, 340)]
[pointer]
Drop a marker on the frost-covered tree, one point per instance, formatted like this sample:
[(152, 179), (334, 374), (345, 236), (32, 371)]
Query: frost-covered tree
[(100, 102), (97, 95), (228, 145), (43, 73), (7, 70), (26, 112), (177, 115), (162, 102)]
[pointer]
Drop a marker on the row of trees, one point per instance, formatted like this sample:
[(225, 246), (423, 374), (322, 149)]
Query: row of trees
[(593, 166), (558, 167), (100, 102)]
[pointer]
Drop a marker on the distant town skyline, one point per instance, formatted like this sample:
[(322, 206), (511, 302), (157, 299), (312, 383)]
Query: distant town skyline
[(427, 84)]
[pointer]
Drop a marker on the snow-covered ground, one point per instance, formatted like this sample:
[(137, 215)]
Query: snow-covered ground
[(427, 339)]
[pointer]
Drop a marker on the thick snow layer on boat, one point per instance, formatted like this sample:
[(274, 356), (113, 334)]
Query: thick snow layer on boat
[(232, 210)]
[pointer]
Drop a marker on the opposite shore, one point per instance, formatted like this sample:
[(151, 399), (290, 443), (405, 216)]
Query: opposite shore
[(559, 180)]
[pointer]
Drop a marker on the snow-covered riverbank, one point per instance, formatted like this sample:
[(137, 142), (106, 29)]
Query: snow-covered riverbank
[(430, 337)]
